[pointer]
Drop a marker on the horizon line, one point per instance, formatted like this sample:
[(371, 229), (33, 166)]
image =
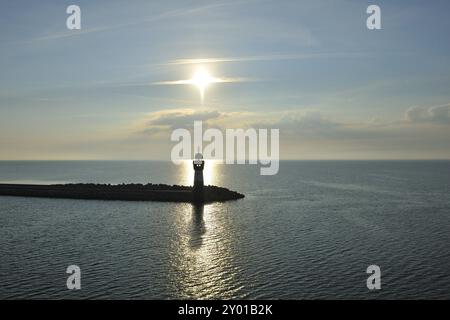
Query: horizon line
[(214, 160)]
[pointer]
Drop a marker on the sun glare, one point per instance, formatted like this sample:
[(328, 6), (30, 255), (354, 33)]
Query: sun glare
[(202, 79)]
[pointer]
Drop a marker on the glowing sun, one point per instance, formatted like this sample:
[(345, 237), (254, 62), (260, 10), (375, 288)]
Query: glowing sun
[(202, 79)]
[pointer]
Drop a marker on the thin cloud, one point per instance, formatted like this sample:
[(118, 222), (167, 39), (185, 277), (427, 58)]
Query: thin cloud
[(216, 80), (71, 33), (275, 57), (165, 15), (437, 114)]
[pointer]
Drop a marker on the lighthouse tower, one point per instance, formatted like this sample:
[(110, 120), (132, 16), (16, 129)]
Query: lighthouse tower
[(198, 164)]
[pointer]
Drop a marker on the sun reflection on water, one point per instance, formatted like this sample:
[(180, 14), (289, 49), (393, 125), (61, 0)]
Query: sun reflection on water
[(201, 255)]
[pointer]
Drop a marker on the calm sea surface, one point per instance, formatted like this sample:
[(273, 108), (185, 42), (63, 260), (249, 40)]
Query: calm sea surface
[(309, 232)]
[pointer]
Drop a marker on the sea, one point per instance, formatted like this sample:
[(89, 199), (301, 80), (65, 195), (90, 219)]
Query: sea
[(309, 232)]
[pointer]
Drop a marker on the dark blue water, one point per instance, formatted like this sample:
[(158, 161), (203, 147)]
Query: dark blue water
[(309, 232)]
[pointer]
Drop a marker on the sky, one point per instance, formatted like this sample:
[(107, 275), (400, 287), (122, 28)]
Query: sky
[(311, 69)]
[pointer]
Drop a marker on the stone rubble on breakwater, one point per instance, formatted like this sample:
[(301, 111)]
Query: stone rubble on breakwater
[(124, 192)]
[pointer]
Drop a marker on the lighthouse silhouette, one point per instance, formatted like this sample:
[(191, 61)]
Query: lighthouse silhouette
[(198, 164)]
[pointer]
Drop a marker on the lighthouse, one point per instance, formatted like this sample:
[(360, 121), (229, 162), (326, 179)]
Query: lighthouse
[(198, 164)]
